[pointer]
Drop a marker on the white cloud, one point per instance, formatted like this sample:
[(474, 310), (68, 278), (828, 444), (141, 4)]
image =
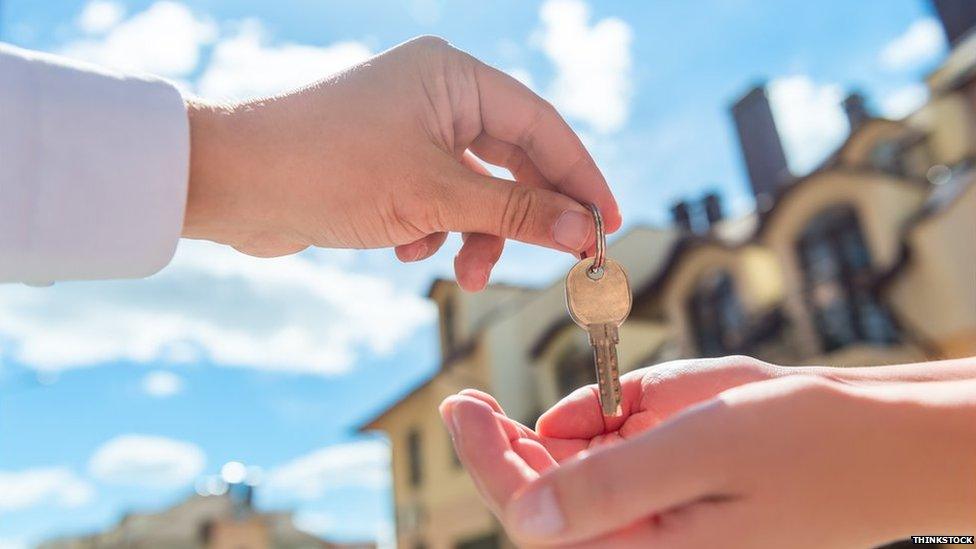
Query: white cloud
[(904, 101), (809, 118), (363, 463), (921, 42), (44, 485), (147, 461), (286, 314), (99, 16), (165, 39), (426, 12), (168, 39), (317, 523), (9, 543), (244, 65), (162, 384), (593, 64)]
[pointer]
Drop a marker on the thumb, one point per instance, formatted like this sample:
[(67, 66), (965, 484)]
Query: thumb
[(484, 204)]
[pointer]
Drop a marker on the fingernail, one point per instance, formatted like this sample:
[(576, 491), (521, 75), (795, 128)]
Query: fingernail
[(455, 422), (537, 513), (421, 252), (485, 275), (572, 229), (445, 411)]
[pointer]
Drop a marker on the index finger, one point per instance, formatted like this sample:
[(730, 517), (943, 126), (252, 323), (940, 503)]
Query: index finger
[(486, 451), (512, 113)]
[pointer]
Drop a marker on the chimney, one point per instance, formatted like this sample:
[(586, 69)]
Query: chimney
[(857, 113), (957, 18), (713, 208), (762, 149), (681, 215)]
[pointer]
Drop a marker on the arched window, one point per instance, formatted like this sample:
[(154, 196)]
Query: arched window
[(837, 273), (415, 457), (448, 322), (574, 368), (716, 316)]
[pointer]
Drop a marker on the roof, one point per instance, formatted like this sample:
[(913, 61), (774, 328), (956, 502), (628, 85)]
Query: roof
[(958, 69), (694, 241), (441, 281)]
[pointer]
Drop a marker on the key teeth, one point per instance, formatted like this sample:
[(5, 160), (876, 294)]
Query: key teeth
[(613, 412), (604, 339)]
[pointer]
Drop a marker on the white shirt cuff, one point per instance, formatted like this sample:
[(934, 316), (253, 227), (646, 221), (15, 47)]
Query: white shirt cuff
[(93, 170)]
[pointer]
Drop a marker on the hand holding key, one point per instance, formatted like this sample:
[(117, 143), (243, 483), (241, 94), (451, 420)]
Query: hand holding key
[(598, 298), (390, 154)]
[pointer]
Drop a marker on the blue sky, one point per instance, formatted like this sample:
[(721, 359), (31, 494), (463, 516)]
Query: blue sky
[(119, 396)]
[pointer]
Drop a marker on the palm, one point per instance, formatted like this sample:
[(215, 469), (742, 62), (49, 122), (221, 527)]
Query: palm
[(504, 456), (649, 396)]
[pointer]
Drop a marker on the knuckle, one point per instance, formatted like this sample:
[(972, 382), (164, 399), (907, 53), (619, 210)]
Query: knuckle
[(429, 42), (814, 386), (743, 362), (543, 110), (546, 108), (518, 212)]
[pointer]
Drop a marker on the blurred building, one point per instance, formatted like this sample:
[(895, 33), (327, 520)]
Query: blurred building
[(226, 521), (870, 259)]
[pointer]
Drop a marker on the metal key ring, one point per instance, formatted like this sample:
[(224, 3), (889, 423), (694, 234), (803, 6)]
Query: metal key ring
[(595, 271)]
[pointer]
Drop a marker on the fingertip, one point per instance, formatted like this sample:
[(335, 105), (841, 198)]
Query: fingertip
[(445, 406), (471, 278), (409, 253), (534, 454), (614, 220), (577, 415), (420, 249), (466, 408), (476, 259), (484, 397), (446, 410)]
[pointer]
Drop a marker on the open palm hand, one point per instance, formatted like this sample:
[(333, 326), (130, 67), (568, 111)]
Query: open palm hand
[(504, 456), (729, 452)]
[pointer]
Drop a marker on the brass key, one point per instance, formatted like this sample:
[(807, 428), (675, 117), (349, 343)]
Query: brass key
[(598, 298)]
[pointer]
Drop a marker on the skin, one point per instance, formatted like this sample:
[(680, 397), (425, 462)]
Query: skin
[(733, 452), (389, 153)]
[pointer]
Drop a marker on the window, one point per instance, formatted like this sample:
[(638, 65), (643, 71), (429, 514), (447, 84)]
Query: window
[(489, 541), (447, 318), (575, 368), (837, 274), (716, 316), (415, 456), (888, 156)]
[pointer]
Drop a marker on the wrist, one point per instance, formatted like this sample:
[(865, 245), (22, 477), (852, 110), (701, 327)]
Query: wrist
[(934, 461), (209, 196)]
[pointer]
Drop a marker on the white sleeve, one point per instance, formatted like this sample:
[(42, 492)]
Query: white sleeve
[(93, 170)]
